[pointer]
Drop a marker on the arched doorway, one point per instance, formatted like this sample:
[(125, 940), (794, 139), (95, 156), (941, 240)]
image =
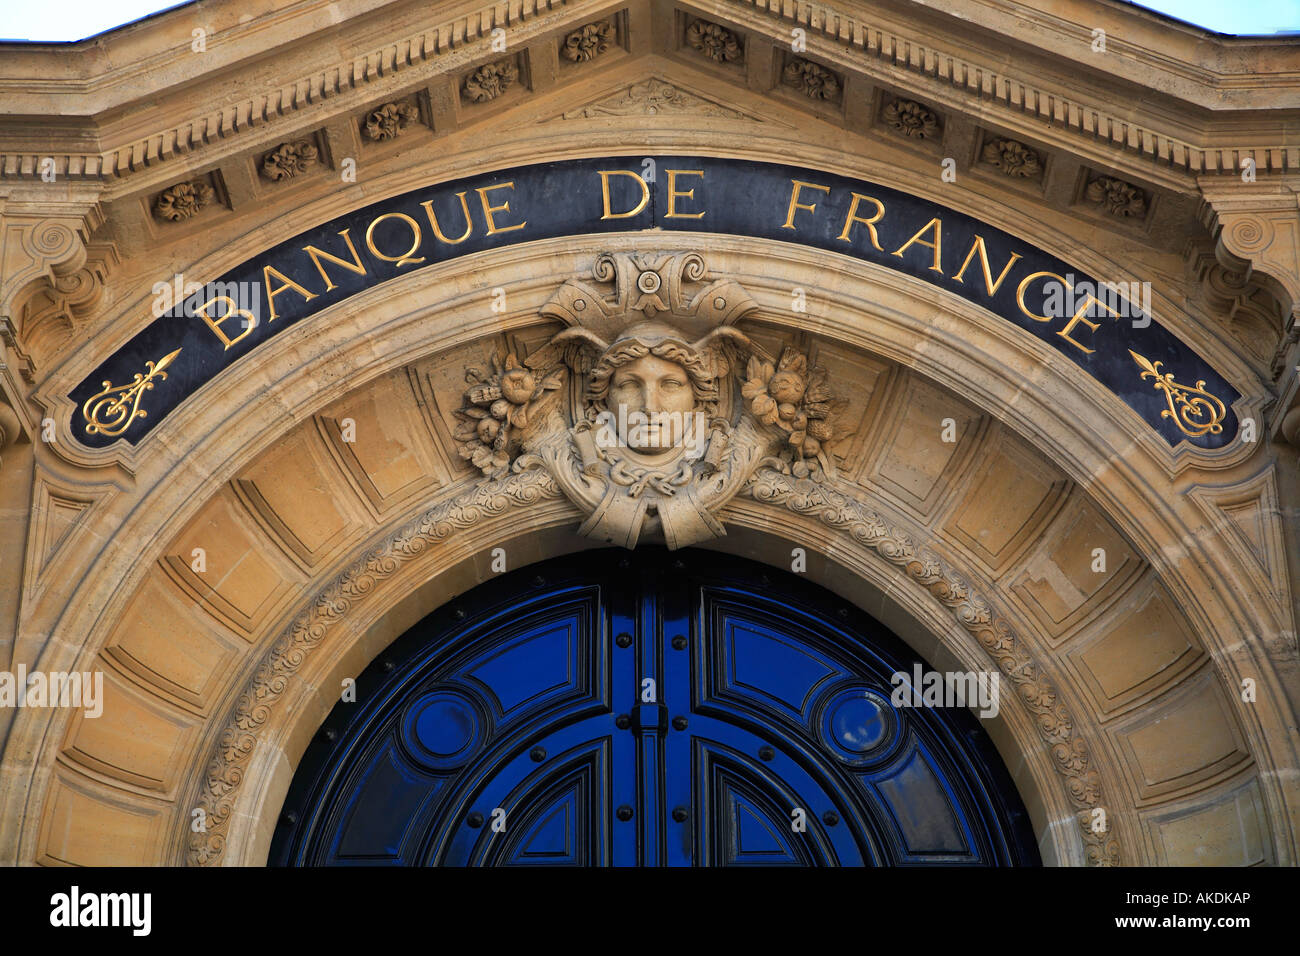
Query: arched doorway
[(648, 708)]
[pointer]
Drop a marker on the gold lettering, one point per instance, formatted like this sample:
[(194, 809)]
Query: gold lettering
[(405, 258), (673, 193), (1024, 284), (488, 210), (853, 217), (231, 310), (1078, 318), (936, 245), (353, 266), (796, 205), (437, 230), (267, 273), (604, 189), (978, 246)]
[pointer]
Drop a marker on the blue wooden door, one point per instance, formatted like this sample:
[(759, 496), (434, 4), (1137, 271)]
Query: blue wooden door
[(647, 709)]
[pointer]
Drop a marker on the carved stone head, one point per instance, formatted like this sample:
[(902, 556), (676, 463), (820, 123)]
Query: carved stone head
[(652, 388)]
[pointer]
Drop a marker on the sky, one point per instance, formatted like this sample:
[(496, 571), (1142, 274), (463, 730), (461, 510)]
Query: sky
[(77, 19)]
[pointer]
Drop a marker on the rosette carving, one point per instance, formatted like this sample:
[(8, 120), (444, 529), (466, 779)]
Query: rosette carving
[(811, 79), (716, 42), (389, 121), (911, 119), (490, 81), (288, 160), (1117, 197), (588, 42), (182, 201), (1013, 157)]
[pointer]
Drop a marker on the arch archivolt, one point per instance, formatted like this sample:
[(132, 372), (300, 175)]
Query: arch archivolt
[(975, 551)]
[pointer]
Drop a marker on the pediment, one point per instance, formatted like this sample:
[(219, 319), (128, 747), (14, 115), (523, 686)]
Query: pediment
[(658, 95)]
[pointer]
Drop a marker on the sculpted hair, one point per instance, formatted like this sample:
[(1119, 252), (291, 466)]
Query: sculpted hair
[(703, 382)]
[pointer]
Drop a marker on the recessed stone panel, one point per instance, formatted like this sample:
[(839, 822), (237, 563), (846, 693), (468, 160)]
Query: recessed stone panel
[(83, 826), (297, 494), (1009, 498), (377, 436), (225, 564), (915, 463), (1139, 652), (1178, 743), (1230, 832), (162, 642), (1081, 563), (134, 740)]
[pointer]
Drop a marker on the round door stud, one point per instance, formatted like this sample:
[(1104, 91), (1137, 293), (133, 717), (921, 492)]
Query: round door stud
[(679, 723), (537, 754), (475, 819), (624, 640), (622, 721), (679, 642), (830, 818), (766, 753), (624, 813), (681, 814)]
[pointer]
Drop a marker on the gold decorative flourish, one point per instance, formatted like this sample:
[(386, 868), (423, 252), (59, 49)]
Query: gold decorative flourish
[(1194, 410), (110, 411)]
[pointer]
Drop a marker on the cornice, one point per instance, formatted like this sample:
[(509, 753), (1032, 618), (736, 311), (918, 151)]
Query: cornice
[(1207, 102)]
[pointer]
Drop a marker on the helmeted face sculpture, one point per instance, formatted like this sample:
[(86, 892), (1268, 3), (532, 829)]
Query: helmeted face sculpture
[(651, 388), (652, 399)]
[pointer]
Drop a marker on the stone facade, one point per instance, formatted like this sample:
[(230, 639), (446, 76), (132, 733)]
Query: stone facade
[(332, 482)]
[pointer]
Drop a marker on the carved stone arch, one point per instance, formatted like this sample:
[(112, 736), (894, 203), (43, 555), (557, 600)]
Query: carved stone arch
[(201, 470)]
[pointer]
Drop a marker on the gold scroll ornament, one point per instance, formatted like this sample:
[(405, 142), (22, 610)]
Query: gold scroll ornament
[(1194, 410), (110, 411)]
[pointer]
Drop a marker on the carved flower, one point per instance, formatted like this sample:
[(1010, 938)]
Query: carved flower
[(183, 200), (389, 120), (288, 159), (588, 42), (1012, 157), (497, 404), (1117, 197), (796, 400), (811, 78), (911, 119), (490, 81), (715, 42)]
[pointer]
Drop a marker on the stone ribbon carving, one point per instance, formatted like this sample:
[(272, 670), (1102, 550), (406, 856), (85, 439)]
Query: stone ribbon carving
[(656, 431)]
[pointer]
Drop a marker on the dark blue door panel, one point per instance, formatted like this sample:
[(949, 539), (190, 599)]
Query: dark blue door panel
[(647, 709)]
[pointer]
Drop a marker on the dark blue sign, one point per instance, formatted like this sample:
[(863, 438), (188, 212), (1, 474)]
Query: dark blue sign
[(1101, 324)]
